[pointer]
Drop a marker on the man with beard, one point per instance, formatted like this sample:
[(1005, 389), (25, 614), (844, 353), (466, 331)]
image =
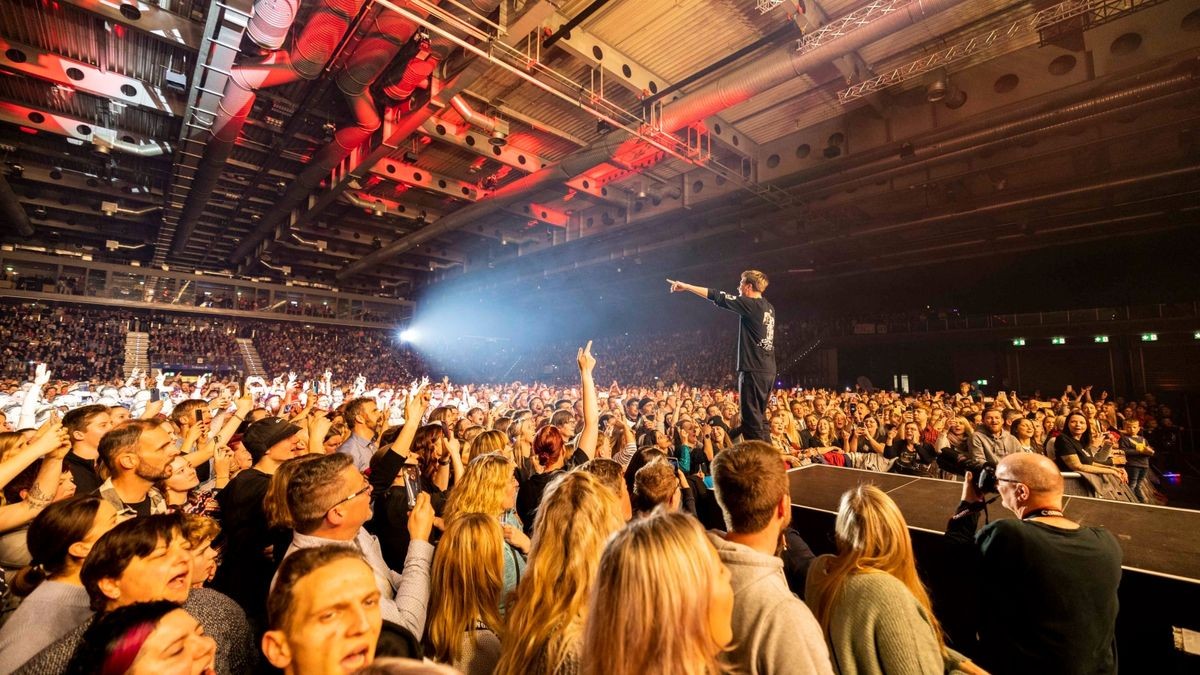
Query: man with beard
[(992, 443), (773, 630), (136, 455), (362, 416)]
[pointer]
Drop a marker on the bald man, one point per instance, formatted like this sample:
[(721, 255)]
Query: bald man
[(1047, 586)]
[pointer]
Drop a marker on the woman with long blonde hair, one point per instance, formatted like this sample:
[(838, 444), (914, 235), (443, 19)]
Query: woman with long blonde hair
[(521, 432), (486, 442), (868, 598), (464, 627), (662, 603), (546, 614), (489, 486)]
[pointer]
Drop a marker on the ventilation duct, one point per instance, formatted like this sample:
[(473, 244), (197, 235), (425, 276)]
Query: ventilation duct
[(416, 70), (310, 52), (401, 83), (496, 128), (271, 22), (389, 32), (760, 75), (1021, 124)]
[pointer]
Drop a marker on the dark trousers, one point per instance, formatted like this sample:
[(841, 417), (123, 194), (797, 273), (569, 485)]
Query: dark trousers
[(1137, 476), (754, 390)]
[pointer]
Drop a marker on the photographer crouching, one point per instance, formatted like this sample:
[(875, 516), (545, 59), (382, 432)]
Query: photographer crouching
[(1047, 586)]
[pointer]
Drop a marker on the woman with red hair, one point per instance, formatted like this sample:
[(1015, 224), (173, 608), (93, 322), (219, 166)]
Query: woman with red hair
[(550, 448), (550, 455)]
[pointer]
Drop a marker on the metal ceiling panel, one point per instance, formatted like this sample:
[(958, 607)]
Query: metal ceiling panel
[(674, 39), (77, 34)]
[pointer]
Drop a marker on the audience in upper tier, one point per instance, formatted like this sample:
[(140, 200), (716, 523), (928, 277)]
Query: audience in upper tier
[(345, 517)]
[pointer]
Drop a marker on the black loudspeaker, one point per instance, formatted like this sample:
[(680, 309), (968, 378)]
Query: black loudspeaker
[(1160, 584)]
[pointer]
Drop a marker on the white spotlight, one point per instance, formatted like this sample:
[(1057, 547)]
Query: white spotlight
[(408, 335)]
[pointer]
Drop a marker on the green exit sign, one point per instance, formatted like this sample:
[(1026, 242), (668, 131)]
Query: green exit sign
[(1020, 342), (1058, 341), (1101, 338), (1149, 337)]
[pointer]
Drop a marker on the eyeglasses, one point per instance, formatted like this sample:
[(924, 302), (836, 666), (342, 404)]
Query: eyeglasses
[(1006, 480), (365, 489)]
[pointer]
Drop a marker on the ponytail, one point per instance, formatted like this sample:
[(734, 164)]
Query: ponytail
[(50, 537)]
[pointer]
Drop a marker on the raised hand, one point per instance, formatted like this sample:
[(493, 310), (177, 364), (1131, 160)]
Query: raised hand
[(192, 435), (584, 358), (51, 439), (420, 518), (453, 447), (41, 376), (415, 408), (245, 402), (318, 427)]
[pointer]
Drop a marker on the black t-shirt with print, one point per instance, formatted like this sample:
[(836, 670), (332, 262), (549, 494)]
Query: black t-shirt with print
[(756, 330)]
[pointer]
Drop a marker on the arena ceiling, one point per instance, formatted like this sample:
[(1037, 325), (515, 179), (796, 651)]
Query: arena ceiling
[(387, 145)]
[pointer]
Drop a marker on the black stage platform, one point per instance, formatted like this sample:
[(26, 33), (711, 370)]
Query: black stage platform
[(1160, 587), (1156, 539)]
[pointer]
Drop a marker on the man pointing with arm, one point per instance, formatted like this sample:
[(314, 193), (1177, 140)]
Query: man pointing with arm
[(756, 346)]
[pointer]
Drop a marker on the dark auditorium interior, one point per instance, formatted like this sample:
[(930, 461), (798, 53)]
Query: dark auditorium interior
[(962, 206)]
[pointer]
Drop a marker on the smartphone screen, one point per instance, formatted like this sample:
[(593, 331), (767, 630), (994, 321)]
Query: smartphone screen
[(412, 485)]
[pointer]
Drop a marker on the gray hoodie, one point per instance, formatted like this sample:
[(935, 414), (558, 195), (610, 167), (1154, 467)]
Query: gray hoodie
[(774, 632)]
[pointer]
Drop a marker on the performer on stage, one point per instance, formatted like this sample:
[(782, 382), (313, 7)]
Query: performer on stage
[(756, 346)]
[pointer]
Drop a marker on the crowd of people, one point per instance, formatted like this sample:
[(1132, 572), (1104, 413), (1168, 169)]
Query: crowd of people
[(345, 351), (349, 515), (81, 344), (181, 341), (215, 525)]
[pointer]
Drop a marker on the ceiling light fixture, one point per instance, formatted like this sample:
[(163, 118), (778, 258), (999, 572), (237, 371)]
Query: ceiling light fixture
[(937, 90)]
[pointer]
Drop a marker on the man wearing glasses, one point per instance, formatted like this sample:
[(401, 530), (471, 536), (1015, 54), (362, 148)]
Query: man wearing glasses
[(1047, 586), (329, 501)]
